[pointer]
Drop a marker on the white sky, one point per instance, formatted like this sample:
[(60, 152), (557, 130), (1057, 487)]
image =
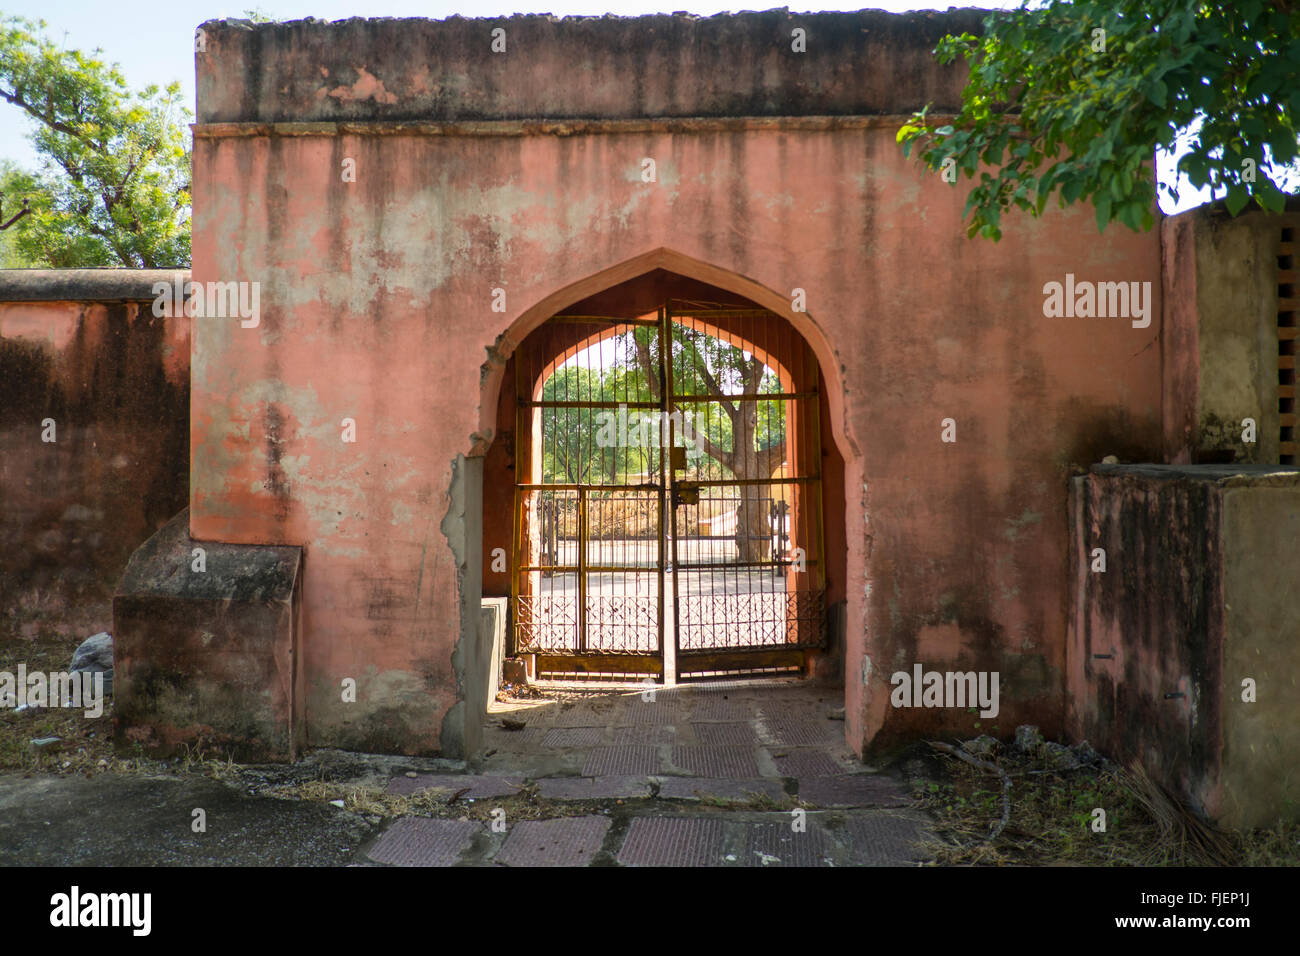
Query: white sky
[(152, 42)]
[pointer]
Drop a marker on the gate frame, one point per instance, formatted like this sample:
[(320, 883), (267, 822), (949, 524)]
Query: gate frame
[(745, 660)]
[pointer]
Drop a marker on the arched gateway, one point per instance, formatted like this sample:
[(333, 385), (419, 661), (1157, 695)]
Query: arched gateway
[(668, 503)]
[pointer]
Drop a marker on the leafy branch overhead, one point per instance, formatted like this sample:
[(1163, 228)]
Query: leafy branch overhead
[(1074, 98), (114, 187)]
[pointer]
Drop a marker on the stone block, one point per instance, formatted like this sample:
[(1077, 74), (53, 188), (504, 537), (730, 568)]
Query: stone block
[(208, 658)]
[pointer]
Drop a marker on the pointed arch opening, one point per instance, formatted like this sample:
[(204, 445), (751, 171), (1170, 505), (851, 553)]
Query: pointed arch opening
[(664, 468)]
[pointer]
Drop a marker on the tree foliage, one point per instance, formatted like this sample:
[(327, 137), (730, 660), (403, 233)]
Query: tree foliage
[(1074, 98), (114, 186), (726, 438)]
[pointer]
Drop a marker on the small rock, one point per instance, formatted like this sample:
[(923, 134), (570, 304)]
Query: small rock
[(1110, 460), (1059, 756), (981, 746), (95, 656), (412, 773), (1028, 739)]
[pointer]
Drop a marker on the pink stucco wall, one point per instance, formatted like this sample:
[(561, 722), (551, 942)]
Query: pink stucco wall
[(112, 379), (376, 305)]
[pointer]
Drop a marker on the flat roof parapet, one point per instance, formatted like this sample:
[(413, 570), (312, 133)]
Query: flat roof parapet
[(84, 285), (867, 62)]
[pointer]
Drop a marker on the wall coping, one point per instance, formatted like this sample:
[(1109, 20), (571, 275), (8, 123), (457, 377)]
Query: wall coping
[(578, 67), (1225, 474), (84, 285), (660, 124)]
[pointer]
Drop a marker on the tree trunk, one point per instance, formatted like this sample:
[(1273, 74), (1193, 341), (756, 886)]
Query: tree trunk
[(753, 530)]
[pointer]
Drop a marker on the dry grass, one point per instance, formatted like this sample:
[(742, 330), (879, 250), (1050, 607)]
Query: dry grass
[(34, 631), (1187, 837), (39, 631), (1052, 815)]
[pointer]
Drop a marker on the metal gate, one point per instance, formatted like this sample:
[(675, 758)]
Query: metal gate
[(668, 496)]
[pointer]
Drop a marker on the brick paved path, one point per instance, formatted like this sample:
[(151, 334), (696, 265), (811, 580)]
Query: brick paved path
[(739, 774)]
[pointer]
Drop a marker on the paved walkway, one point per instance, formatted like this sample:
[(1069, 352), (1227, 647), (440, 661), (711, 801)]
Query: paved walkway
[(739, 775)]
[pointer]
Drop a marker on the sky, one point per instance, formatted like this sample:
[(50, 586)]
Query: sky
[(152, 41)]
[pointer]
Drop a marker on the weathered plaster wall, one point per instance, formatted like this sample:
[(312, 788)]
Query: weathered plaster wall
[(83, 348), (1222, 283), (1195, 598), (377, 305), (1261, 741), (1151, 624)]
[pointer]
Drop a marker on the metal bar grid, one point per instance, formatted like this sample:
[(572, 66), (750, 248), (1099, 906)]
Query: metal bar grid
[(736, 439), (748, 557)]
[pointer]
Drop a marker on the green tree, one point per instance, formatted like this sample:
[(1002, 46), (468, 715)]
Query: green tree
[(10, 258), (1074, 98), (114, 187), (744, 437)]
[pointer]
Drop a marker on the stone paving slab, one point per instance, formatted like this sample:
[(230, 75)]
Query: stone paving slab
[(673, 841), (806, 762), (572, 737), (726, 789), (569, 841), (630, 759), (480, 787), (886, 838), (659, 711), (418, 841), (777, 711), (805, 733), (737, 733), (710, 760), (723, 708), (853, 790), (609, 787), (779, 844), (645, 734)]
